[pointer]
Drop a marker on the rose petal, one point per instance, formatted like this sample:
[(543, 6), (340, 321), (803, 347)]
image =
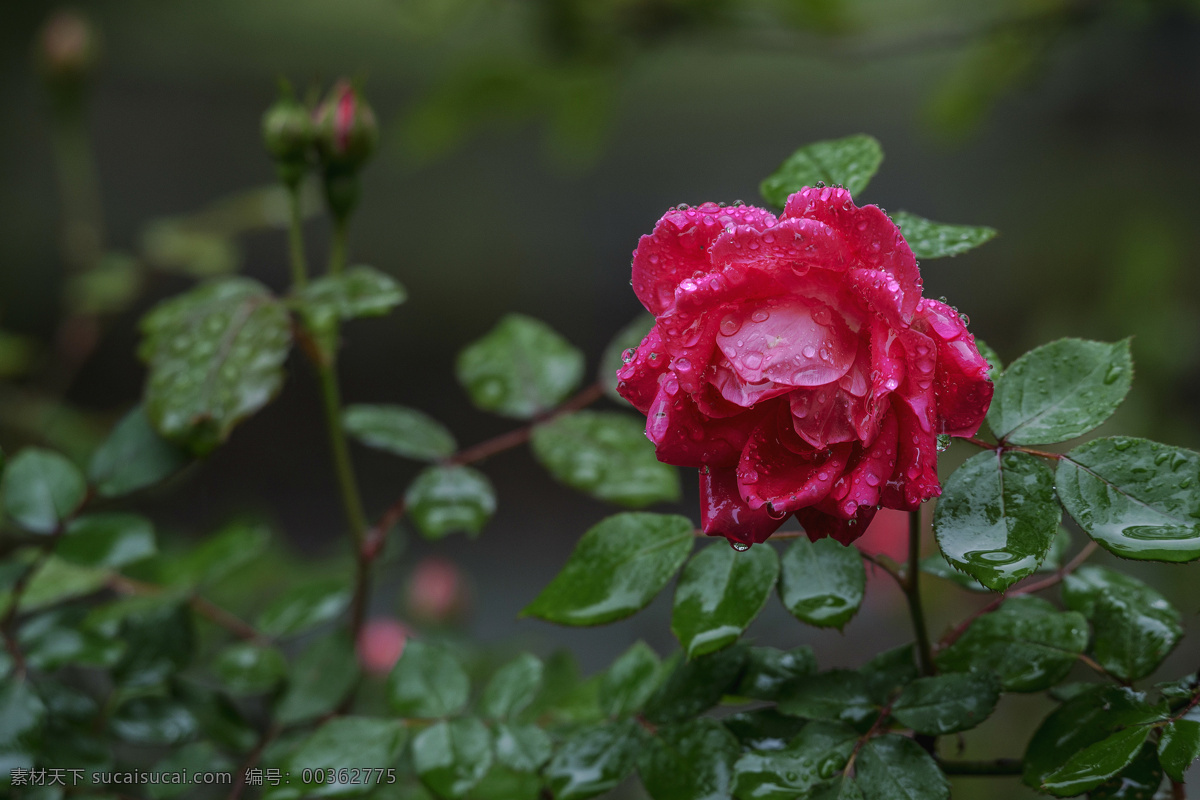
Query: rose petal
[(685, 437), (797, 245), (678, 248), (914, 479), (818, 524), (724, 513), (961, 384), (637, 380), (795, 341), (863, 480), (772, 475)]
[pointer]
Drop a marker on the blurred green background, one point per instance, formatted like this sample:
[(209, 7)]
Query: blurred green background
[(526, 145)]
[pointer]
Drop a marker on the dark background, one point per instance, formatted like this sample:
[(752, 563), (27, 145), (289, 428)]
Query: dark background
[(525, 148)]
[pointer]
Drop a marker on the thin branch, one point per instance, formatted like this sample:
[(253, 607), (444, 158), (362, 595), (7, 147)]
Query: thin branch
[(239, 784), (1022, 589), (202, 606), (912, 592), (999, 766), (8, 623), (1007, 448)]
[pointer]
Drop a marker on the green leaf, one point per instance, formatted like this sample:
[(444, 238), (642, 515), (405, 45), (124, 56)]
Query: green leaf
[(1135, 497), (512, 688), (814, 757), (1086, 719), (628, 338), (304, 607), (890, 671), (520, 369), (57, 580), (822, 582), (107, 540), (524, 748), (1060, 391), (1136, 628), (153, 720), (1140, 780), (720, 592), (215, 356), (850, 162), (630, 681), (938, 566), (1096, 763), (593, 760), (360, 291), (616, 569), (500, 783), (997, 517), (133, 457), (689, 761), (160, 641), (247, 668), (428, 681), (696, 685), (839, 695), (21, 712), (219, 555), (942, 704), (606, 455), (929, 239), (60, 637), (191, 760), (451, 757), (318, 680), (1027, 642), (892, 767), (400, 430), (840, 789), (41, 489), (992, 357), (445, 500), (771, 673), (1179, 745), (764, 728), (349, 744)]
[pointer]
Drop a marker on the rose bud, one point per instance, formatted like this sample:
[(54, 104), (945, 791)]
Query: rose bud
[(67, 48), (347, 132), (288, 133), (381, 643), (795, 362), (437, 592)]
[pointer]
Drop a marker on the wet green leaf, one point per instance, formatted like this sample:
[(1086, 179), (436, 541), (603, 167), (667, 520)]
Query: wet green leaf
[(812, 758), (21, 712), (305, 606), (892, 767), (771, 673), (763, 728), (822, 582), (1096, 763), (133, 457), (606, 455), (451, 757), (428, 681), (1060, 391), (153, 720), (1179, 745), (318, 680), (107, 540), (1138, 781), (1085, 720), (57, 580), (347, 745), (593, 760), (992, 357), (41, 489), (512, 688), (839, 695), (219, 555), (889, 671), (613, 359), (630, 681), (1135, 626), (938, 566), (160, 641), (400, 430), (192, 759), (215, 356), (616, 569), (696, 685), (524, 748), (942, 704), (520, 369), (248, 668), (1027, 642), (720, 592), (849, 162), (997, 517), (929, 239), (689, 761), (360, 291), (59, 637), (1135, 497), (445, 500)]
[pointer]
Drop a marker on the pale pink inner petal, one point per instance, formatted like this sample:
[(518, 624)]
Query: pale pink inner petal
[(800, 342), (735, 390)]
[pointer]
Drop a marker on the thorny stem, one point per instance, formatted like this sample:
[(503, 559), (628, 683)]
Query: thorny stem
[(1028, 588), (912, 591)]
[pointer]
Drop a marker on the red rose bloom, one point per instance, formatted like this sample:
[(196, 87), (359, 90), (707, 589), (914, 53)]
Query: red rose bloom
[(794, 361)]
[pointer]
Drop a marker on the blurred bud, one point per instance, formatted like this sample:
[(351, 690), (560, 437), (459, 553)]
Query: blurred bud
[(437, 592), (288, 133), (346, 129), (67, 48), (381, 643)]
